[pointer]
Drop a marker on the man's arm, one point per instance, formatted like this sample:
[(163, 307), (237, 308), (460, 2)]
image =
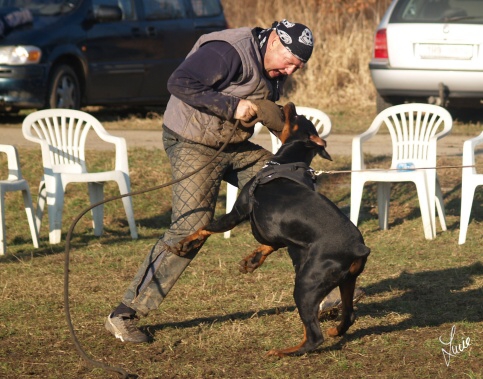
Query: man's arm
[(199, 80)]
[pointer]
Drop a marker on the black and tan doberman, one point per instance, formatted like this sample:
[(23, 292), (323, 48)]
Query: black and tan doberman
[(284, 210)]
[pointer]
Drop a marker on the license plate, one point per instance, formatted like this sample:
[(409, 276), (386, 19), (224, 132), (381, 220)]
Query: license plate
[(440, 51)]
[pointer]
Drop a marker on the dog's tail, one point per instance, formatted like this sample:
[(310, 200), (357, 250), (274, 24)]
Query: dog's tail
[(357, 266), (362, 251)]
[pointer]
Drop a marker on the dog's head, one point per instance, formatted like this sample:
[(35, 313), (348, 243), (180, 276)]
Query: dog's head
[(299, 134)]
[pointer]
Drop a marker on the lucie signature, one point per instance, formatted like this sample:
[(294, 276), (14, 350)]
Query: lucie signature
[(451, 350)]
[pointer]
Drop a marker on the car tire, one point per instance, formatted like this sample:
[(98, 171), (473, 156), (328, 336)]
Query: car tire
[(381, 104), (64, 88)]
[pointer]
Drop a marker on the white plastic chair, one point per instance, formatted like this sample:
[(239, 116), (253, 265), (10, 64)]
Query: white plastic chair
[(470, 180), (322, 124), (414, 130), (15, 182), (320, 120), (62, 135)]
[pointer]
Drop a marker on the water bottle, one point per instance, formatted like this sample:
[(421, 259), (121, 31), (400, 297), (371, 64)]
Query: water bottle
[(405, 166)]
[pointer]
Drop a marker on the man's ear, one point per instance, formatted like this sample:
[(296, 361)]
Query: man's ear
[(273, 41)]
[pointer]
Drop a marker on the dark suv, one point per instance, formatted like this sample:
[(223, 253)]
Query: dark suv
[(68, 54)]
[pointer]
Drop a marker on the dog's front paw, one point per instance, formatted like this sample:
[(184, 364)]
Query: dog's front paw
[(190, 243), (244, 266), (251, 263)]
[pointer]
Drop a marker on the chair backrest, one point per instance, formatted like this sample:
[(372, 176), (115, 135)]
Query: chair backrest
[(469, 160), (62, 134), (320, 120), (414, 130), (13, 162)]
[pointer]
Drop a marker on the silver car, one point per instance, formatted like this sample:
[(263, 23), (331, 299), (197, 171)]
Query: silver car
[(429, 51)]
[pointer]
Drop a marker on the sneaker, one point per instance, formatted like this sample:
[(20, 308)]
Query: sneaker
[(123, 326), (329, 307)]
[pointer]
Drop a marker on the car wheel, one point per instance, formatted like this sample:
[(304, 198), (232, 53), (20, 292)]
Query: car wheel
[(381, 104), (64, 89)]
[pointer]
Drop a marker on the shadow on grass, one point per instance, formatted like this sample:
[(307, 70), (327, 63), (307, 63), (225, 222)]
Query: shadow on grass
[(78, 241), (152, 329), (428, 299)]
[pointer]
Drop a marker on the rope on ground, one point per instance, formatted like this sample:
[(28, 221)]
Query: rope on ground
[(124, 374)]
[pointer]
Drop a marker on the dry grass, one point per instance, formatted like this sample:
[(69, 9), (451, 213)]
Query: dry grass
[(218, 323), (338, 71)]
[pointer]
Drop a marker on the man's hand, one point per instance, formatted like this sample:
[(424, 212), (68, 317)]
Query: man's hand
[(245, 110)]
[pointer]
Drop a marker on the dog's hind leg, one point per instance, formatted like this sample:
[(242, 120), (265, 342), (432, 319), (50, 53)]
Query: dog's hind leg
[(307, 294), (347, 288)]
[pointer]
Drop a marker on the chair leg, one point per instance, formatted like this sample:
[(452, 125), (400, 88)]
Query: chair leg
[(440, 206), (55, 206), (29, 209), (231, 194), (357, 188), (467, 195), (3, 237), (424, 205), (41, 200), (96, 195), (125, 187), (383, 200)]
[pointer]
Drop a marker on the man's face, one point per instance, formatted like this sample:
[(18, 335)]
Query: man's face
[(279, 61)]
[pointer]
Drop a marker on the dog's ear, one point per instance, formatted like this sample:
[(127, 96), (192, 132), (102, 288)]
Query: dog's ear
[(321, 145), (323, 153), (289, 112)]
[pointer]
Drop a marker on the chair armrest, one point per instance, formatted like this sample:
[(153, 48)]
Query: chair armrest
[(357, 153), (121, 150), (469, 151), (357, 141), (13, 162)]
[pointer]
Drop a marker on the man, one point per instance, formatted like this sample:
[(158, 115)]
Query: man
[(219, 82)]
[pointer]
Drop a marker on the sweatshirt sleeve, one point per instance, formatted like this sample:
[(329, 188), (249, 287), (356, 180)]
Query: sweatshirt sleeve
[(199, 80)]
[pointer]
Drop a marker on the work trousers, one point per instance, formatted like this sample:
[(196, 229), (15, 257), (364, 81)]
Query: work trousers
[(193, 206)]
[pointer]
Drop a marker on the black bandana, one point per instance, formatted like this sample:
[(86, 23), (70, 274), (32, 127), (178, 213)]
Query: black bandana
[(296, 38)]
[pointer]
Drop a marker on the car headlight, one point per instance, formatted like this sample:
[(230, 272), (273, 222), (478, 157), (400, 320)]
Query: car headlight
[(20, 55)]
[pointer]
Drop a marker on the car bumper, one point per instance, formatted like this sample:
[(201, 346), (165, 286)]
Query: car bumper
[(425, 83), (22, 86)]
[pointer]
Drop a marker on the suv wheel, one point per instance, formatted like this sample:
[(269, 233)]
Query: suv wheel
[(64, 88)]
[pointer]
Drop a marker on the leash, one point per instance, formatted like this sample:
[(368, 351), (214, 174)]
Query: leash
[(332, 172), (80, 350)]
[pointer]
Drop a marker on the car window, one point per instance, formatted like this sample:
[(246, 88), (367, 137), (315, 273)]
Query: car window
[(206, 8), (41, 7), (125, 5), (427, 11), (164, 9)]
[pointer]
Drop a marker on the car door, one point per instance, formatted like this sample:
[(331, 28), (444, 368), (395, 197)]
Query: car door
[(115, 56), (170, 28)]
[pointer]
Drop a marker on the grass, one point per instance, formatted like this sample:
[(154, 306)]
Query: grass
[(218, 323)]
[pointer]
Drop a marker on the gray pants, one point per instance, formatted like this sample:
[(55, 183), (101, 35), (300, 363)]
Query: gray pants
[(193, 206)]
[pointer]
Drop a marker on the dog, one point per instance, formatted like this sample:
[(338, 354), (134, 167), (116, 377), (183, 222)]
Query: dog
[(326, 248)]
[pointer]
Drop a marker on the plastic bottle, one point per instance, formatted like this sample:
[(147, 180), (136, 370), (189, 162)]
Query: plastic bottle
[(405, 166)]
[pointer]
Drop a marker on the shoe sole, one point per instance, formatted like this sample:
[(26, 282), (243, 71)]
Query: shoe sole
[(332, 312), (111, 328)]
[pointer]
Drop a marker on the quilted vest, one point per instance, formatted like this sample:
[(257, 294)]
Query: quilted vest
[(206, 128)]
